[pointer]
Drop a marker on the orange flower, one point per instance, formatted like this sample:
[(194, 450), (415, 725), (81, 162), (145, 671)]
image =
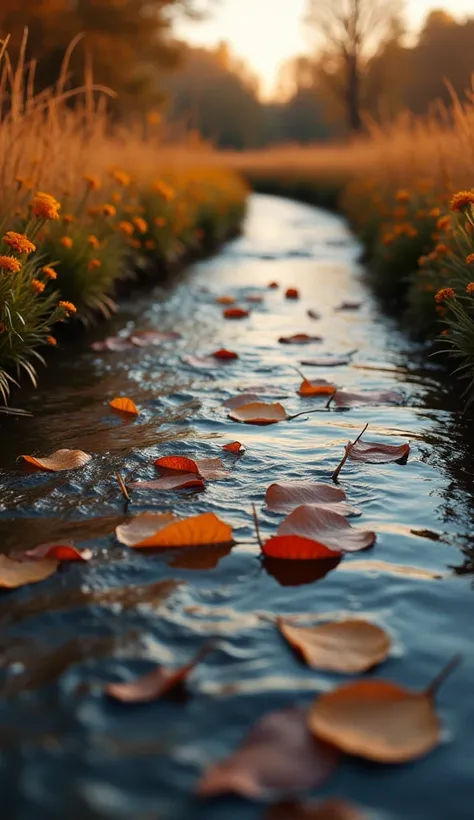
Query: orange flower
[(68, 219), (462, 200), (19, 242), (26, 182), (49, 272), (443, 223), (116, 197), (92, 181), (37, 285), (388, 238), (470, 259), (68, 307), (121, 177), (45, 206), (93, 241), (470, 288), (66, 241), (140, 224), (164, 190), (109, 210), (134, 243), (153, 118), (160, 221), (125, 227), (400, 213), (50, 340), (402, 196), (150, 244), (442, 250), (9, 263), (94, 264), (443, 294), (422, 261), (435, 212)]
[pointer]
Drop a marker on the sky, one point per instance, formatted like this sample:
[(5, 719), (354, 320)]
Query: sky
[(266, 33)]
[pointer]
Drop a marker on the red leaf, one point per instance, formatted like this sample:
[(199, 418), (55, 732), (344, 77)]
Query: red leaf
[(234, 447), (273, 285), (317, 387), (277, 756), (155, 684), (374, 453), (178, 464), (297, 548), (299, 339), (235, 313), (178, 482), (328, 527), (333, 809), (292, 293), (59, 552), (225, 354)]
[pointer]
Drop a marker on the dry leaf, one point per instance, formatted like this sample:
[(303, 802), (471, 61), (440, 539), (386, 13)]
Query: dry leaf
[(184, 481), (299, 339), (327, 361), (59, 552), (226, 300), (292, 293), (241, 399), (124, 405), (343, 398), (278, 756), (166, 531), (227, 355), (349, 646), (234, 447), (112, 343), (259, 412), (59, 460), (207, 468), (178, 464), (374, 453), (145, 338), (318, 387), (18, 573), (328, 527), (377, 720), (155, 684), (332, 809), (235, 313), (284, 497), (273, 285)]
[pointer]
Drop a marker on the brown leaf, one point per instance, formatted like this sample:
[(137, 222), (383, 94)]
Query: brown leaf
[(277, 756), (284, 497), (207, 468), (184, 481), (273, 285), (112, 343), (349, 646), (124, 405), (226, 300), (235, 313), (332, 809), (342, 398), (59, 460), (240, 400), (299, 339), (328, 527), (313, 314), (374, 453), (59, 552), (155, 684), (349, 306), (378, 720), (326, 361), (259, 412), (166, 531), (18, 573)]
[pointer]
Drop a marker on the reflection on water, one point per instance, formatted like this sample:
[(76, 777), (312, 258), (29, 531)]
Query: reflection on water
[(73, 753)]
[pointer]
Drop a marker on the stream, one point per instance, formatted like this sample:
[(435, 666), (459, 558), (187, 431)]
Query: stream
[(66, 751)]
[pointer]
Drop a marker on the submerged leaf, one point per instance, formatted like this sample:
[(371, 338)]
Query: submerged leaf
[(18, 573), (284, 497), (59, 460), (124, 405), (155, 684), (374, 453), (348, 646), (259, 412), (328, 527), (299, 339), (235, 313), (278, 756), (167, 531)]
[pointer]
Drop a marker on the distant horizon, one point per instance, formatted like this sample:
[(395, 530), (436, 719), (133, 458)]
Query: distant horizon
[(268, 33)]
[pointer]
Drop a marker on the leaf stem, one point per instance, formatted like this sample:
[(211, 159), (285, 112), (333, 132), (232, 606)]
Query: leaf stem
[(346, 455), (122, 486), (440, 678), (331, 397), (306, 413), (257, 527)]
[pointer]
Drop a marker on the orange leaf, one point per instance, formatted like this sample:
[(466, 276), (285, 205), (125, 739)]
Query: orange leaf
[(235, 313), (377, 720), (178, 464), (206, 468), (273, 285), (60, 552), (167, 531), (277, 756), (349, 646), (17, 573), (259, 413), (374, 453), (59, 460), (297, 548), (225, 354), (124, 405), (328, 527), (173, 482), (226, 300), (292, 293), (319, 387), (234, 447), (155, 684), (284, 497), (299, 339)]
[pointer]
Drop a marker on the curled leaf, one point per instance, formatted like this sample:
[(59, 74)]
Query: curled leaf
[(59, 552), (318, 387), (59, 460), (183, 481), (284, 497), (234, 447), (328, 527), (349, 646), (166, 531), (235, 313), (16, 573), (207, 468), (259, 412), (374, 453), (292, 293), (155, 684), (299, 339), (124, 405), (277, 757), (225, 354)]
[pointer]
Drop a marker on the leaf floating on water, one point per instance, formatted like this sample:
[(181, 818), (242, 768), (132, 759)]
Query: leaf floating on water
[(155, 684), (273, 285), (259, 412), (178, 464), (299, 339), (368, 565), (226, 300), (297, 548), (254, 298), (235, 313), (318, 387), (225, 354), (374, 453), (349, 306), (313, 314), (342, 398), (333, 809), (349, 646), (166, 531), (18, 573), (278, 756), (59, 552), (207, 468), (112, 344), (59, 460), (234, 447), (292, 293), (326, 361), (241, 399), (124, 405), (284, 497), (328, 527), (185, 481), (145, 338)]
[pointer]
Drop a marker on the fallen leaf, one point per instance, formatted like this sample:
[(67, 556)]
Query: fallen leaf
[(166, 531), (145, 338), (235, 313), (241, 400), (284, 497), (184, 481), (207, 468), (17, 573), (277, 756), (155, 684), (348, 306), (345, 399), (59, 552), (226, 300), (273, 285), (349, 646), (367, 565), (318, 387), (377, 720), (328, 527), (59, 460), (292, 293), (225, 354), (332, 809), (326, 361), (254, 298), (234, 447), (124, 405), (259, 412), (299, 339), (112, 343), (374, 453), (207, 362), (313, 314)]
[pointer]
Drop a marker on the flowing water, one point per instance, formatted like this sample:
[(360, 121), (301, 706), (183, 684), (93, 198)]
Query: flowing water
[(68, 751)]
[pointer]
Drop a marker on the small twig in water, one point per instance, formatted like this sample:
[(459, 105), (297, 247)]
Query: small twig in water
[(328, 403), (122, 486), (348, 448), (257, 526), (440, 678)]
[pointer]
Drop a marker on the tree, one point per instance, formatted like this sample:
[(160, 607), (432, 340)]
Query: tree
[(351, 30)]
